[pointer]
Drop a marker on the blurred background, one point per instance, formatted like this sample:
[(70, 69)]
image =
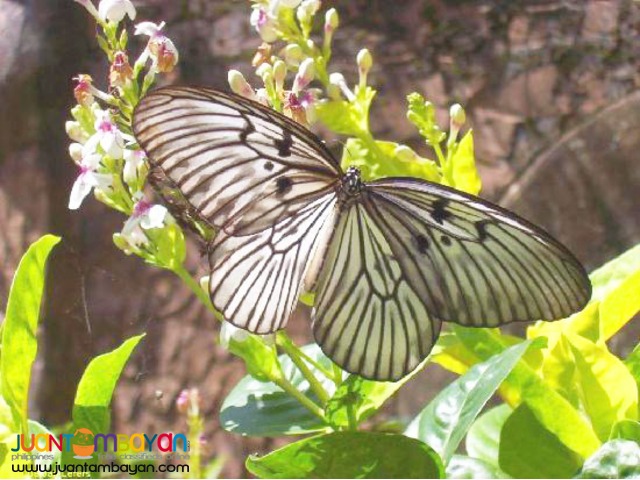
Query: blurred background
[(550, 88)]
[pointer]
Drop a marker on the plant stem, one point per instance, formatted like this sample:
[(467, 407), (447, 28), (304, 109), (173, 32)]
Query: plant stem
[(294, 353), (309, 404), (195, 287)]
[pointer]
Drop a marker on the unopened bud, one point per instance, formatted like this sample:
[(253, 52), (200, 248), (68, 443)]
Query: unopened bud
[(293, 54), (457, 118), (75, 131), (457, 114), (75, 152), (279, 74), (239, 84), (331, 20), (365, 61), (338, 80), (405, 154), (305, 75)]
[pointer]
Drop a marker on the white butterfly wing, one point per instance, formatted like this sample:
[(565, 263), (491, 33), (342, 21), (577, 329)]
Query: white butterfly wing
[(256, 278), (241, 166), (368, 317), (473, 262)]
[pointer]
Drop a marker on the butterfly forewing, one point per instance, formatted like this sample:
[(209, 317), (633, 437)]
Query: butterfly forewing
[(472, 262), (239, 164), (368, 317)]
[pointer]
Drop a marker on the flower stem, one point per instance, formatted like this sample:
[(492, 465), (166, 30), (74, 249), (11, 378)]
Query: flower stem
[(294, 353), (195, 287), (309, 404)]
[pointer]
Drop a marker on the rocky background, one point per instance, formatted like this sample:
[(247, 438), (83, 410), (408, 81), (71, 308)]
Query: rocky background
[(548, 87)]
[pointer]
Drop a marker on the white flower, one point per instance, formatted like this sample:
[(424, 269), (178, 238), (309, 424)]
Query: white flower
[(145, 217), (163, 51), (265, 24), (75, 131), (307, 10), (116, 10), (133, 160), (88, 179), (107, 136)]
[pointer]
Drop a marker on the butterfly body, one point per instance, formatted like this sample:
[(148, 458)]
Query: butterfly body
[(388, 260)]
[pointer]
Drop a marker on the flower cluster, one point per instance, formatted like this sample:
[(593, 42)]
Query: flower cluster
[(110, 163)]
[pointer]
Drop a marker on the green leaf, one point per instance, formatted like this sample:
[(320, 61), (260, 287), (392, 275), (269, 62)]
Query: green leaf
[(36, 428), (461, 466), (612, 274), (260, 359), (262, 409), (524, 384), (626, 430), (350, 455), (633, 364), (378, 159), (423, 115), (607, 389), (340, 116), (93, 396), (620, 305), (615, 459), (19, 341), (483, 438), (462, 166), (528, 450), (445, 421), (364, 397)]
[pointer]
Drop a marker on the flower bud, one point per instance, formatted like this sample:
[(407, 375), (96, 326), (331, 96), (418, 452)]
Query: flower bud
[(83, 91), (306, 73), (279, 74), (458, 115), (289, 3), (293, 54), (306, 11), (239, 84), (364, 61), (262, 55), (75, 151), (120, 71), (457, 118), (405, 154), (75, 132), (331, 20), (337, 79)]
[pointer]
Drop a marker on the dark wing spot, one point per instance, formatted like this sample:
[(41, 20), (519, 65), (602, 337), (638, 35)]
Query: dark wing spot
[(446, 241), (283, 185), (246, 131), (481, 227), (284, 145), (268, 165), (422, 244), (439, 212)]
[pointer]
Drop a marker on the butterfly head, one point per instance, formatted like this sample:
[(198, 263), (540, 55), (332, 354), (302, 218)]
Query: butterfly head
[(352, 182)]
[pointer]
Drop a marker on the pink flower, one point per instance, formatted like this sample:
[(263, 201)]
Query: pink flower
[(88, 179)]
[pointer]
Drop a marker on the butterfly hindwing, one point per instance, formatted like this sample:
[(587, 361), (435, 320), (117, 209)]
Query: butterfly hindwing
[(472, 262), (256, 278), (368, 318), (240, 165)]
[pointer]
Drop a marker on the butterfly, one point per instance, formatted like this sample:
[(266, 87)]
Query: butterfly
[(388, 260)]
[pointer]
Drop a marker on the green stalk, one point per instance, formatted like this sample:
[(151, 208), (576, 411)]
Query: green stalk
[(195, 287), (309, 404), (292, 350)]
